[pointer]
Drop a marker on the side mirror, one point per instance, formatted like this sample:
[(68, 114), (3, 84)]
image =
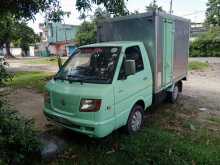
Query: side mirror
[(130, 68), (59, 61)]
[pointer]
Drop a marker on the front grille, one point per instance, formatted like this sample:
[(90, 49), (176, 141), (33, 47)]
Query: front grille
[(66, 122), (64, 103), (62, 121)]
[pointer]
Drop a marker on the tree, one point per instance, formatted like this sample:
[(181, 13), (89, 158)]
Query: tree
[(26, 10), (18, 33), (114, 7), (213, 13), (88, 30), (24, 37), (87, 33), (154, 7), (100, 14), (7, 32), (14, 12)]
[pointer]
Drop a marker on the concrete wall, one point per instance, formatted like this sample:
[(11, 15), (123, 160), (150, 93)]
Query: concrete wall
[(14, 51)]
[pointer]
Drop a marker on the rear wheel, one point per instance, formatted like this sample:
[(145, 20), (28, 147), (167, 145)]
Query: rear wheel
[(173, 96), (135, 120)]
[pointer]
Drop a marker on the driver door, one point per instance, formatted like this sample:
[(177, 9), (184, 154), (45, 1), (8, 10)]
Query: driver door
[(130, 87)]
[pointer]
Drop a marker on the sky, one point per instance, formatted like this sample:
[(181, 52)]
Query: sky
[(191, 9)]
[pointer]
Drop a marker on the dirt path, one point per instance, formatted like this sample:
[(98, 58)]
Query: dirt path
[(29, 103), (21, 65), (201, 92), (205, 86)]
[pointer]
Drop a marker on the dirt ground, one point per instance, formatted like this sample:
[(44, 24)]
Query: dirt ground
[(201, 93)]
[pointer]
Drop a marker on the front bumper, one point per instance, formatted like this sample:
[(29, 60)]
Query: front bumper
[(90, 128)]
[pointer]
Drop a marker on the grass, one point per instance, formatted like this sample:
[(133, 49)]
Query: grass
[(150, 146), (167, 138), (35, 80), (215, 119), (196, 65)]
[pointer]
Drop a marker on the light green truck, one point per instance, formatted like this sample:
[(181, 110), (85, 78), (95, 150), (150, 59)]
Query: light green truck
[(138, 61)]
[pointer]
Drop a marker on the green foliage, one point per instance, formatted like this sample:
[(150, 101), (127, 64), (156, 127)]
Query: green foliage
[(7, 30), (150, 146), (100, 14), (87, 33), (88, 30), (154, 7), (17, 32), (114, 7), (26, 10), (207, 45), (24, 36), (5, 76), (213, 13), (18, 138), (196, 65)]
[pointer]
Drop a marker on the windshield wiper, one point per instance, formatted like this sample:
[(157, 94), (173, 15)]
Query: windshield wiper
[(59, 78), (74, 78)]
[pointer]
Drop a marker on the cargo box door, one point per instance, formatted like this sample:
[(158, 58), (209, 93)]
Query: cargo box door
[(168, 49)]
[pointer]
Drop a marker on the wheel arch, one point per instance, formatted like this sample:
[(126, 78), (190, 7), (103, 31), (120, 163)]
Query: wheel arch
[(140, 102)]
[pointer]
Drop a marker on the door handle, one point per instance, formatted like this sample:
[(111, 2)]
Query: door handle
[(145, 78)]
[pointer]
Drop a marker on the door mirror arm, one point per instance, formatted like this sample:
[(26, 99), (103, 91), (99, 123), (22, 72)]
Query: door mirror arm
[(122, 77), (59, 61)]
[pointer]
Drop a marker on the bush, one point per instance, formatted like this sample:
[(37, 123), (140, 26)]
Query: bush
[(4, 75), (205, 48), (207, 45), (18, 140)]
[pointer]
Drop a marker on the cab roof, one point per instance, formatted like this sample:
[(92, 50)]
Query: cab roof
[(114, 44)]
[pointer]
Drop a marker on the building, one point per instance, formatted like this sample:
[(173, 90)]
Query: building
[(56, 38)]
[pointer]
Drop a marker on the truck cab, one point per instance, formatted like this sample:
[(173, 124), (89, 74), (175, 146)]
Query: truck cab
[(101, 88)]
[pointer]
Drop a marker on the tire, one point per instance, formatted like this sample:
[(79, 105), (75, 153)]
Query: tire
[(173, 96), (135, 120)]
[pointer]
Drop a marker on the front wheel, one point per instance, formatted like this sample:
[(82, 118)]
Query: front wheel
[(135, 120)]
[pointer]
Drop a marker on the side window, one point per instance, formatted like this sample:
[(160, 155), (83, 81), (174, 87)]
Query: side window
[(134, 53)]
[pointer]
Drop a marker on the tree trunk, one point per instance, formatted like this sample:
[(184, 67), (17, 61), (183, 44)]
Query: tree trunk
[(25, 53), (8, 52)]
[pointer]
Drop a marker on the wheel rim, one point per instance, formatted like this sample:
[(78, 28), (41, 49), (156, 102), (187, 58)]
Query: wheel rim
[(136, 121), (175, 93)]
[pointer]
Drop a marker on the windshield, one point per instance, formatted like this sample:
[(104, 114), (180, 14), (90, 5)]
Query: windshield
[(91, 65)]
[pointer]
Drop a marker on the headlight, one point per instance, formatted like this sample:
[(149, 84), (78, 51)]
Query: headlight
[(90, 105)]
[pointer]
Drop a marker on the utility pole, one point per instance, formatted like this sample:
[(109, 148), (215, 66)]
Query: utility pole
[(171, 6), (154, 3)]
